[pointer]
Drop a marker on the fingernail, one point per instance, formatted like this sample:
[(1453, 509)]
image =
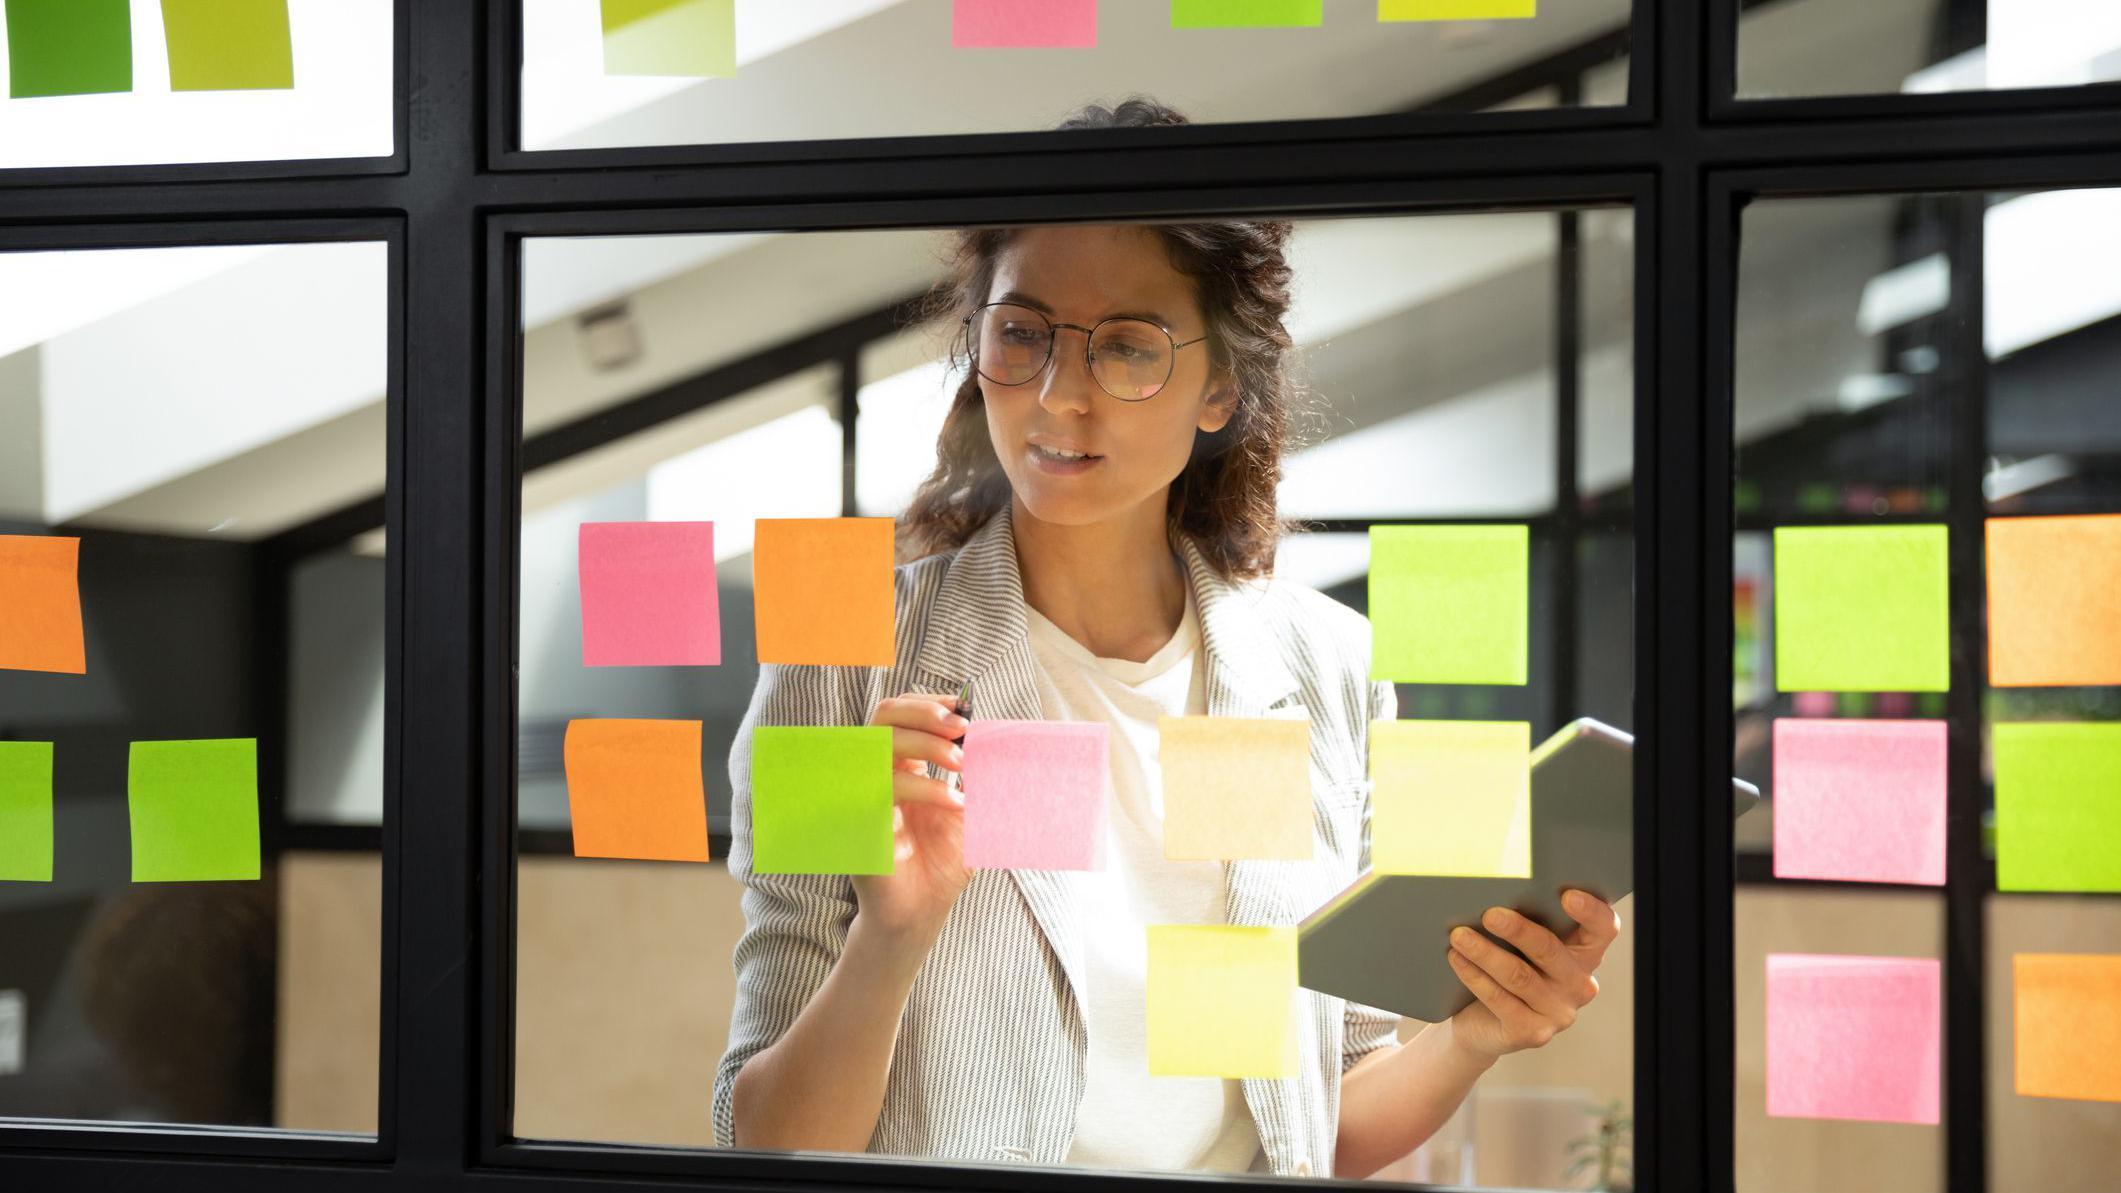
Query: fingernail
[(1574, 900), (1461, 937), (1497, 919), (957, 754)]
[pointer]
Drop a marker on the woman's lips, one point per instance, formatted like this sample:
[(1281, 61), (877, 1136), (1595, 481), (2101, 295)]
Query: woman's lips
[(1056, 464)]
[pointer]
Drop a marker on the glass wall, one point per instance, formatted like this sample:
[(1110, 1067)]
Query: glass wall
[(794, 378), (1794, 48), (182, 670), (708, 72), (137, 82), (1875, 333)]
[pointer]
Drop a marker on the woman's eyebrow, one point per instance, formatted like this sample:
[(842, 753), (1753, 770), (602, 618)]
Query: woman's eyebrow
[(1025, 300)]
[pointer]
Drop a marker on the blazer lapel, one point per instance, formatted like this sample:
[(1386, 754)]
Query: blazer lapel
[(976, 631), (1247, 677)]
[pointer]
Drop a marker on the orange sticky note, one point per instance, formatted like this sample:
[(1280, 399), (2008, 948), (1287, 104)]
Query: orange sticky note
[(2066, 1025), (40, 604), (2054, 601), (634, 790), (822, 588)]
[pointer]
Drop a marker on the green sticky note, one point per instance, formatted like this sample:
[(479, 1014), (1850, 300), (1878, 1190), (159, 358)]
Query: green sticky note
[(1449, 604), (821, 799), (692, 38), (69, 47), (1861, 609), (228, 45), (194, 810), (2058, 806), (1246, 14), (25, 811)]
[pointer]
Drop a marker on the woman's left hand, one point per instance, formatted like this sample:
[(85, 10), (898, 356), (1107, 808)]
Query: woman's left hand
[(1523, 1004)]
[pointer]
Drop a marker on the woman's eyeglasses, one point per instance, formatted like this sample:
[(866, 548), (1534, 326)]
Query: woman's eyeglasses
[(1131, 358)]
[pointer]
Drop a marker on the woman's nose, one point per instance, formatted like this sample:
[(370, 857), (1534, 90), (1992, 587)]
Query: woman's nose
[(1067, 386)]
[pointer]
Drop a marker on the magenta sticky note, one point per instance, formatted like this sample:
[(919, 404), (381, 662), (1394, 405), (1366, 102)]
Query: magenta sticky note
[(1853, 1037), (1019, 24), (1860, 801), (648, 595), (1035, 795)]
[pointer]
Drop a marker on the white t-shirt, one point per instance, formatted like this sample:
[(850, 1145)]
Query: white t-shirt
[(1129, 1119)]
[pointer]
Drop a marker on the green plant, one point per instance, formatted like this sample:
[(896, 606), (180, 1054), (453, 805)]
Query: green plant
[(1608, 1152)]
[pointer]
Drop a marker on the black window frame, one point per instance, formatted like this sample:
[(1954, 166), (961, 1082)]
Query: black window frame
[(454, 199)]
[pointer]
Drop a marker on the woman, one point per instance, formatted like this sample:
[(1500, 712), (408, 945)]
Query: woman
[(1098, 534)]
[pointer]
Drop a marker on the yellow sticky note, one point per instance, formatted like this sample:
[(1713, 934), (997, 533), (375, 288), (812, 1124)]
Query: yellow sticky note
[(1222, 1001), (1456, 10), (1451, 798), (1236, 787), (690, 38), (2066, 1025)]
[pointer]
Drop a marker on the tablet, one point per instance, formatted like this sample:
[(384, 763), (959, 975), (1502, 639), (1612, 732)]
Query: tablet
[(1382, 941)]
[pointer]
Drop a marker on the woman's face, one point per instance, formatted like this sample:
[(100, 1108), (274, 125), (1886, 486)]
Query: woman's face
[(1130, 452)]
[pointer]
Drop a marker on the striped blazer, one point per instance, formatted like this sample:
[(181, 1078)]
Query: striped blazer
[(989, 1063)]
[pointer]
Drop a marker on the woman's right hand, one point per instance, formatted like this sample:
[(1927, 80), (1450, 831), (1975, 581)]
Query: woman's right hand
[(928, 820)]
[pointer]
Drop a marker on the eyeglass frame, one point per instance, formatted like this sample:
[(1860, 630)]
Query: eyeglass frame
[(1089, 337)]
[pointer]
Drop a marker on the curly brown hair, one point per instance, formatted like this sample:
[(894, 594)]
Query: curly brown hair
[(1223, 500)]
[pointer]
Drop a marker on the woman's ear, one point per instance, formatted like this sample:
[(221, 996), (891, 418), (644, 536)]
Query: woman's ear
[(1220, 406)]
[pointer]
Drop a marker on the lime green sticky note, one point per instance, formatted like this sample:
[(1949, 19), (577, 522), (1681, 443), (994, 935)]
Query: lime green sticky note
[(692, 38), (69, 47), (1456, 10), (194, 808), (1221, 1001), (1861, 609), (1451, 798), (228, 45), (821, 799), (1246, 14), (2058, 806), (1449, 604), (25, 811)]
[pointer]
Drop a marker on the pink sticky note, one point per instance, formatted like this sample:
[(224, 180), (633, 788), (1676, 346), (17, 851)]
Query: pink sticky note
[(648, 595), (1039, 24), (1860, 801), (1853, 1037), (1035, 795)]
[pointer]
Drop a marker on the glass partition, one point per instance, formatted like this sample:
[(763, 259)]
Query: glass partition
[(785, 394), (1923, 637), (711, 72), (1796, 48), (185, 668)]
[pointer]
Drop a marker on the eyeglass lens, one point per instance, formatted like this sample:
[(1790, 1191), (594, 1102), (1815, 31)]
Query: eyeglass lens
[(1130, 358)]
